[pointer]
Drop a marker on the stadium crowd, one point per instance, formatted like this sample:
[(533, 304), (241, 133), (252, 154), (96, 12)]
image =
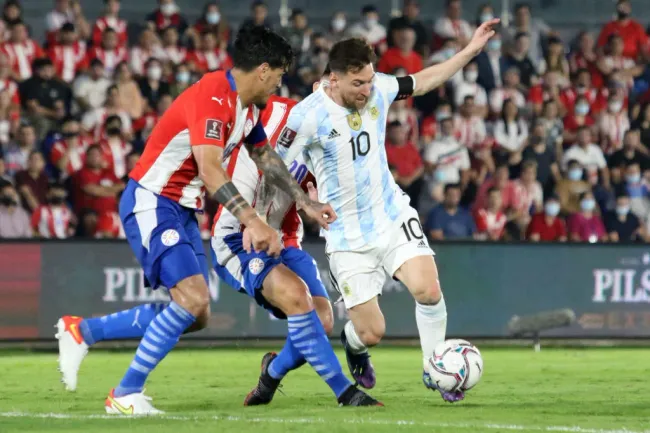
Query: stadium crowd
[(538, 139)]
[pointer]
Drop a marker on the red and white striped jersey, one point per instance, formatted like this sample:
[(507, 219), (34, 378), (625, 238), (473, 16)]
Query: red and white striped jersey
[(117, 24), (9, 85), (110, 58), (210, 61), (176, 55), (52, 221), (76, 154), (93, 121), (277, 207), (115, 153), (68, 60), (21, 56), (612, 130), (109, 226), (139, 57), (470, 132), (209, 112)]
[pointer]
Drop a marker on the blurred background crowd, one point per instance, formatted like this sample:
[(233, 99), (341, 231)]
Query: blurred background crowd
[(545, 136)]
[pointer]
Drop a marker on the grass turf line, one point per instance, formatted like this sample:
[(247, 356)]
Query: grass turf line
[(583, 391)]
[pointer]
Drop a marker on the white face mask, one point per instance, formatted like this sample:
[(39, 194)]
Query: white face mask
[(338, 24), (370, 22), (168, 9), (615, 107), (154, 73), (213, 18), (471, 76)]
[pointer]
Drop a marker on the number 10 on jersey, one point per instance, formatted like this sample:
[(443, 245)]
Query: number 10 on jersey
[(360, 145)]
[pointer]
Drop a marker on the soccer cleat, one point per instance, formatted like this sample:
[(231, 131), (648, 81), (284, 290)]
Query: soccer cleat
[(266, 386), (131, 404), (448, 396), (360, 366), (72, 349), (353, 396)]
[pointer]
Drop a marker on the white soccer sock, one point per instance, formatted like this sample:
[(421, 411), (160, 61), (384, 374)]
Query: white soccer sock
[(432, 326), (354, 342)]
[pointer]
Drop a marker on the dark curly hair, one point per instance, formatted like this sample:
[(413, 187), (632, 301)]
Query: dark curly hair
[(351, 55), (256, 45)]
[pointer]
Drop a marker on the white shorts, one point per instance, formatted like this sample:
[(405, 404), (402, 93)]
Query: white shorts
[(360, 276)]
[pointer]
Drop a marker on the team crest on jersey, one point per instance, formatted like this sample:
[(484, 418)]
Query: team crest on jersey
[(374, 113), (213, 129), (287, 136), (354, 120), (169, 237), (256, 266), (347, 291)]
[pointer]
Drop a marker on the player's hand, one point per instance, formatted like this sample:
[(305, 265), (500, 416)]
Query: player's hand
[(322, 213), (312, 191), (482, 35), (258, 237)]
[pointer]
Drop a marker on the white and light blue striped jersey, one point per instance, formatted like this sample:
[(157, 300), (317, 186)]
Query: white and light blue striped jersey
[(345, 151)]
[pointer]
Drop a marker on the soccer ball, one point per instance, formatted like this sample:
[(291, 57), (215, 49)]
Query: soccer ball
[(456, 365)]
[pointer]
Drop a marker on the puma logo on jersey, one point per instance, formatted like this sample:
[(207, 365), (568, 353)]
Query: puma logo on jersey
[(220, 101), (333, 134)]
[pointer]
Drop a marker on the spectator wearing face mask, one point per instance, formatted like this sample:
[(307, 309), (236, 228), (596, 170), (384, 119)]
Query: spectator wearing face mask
[(69, 151), (152, 86), (32, 182), (110, 19), (638, 190), (182, 80), (581, 88), (571, 187), (338, 27), (634, 37), (547, 226), (491, 65), (470, 87), (586, 225), (213, 21), (622, 225), (167, 15), (613, 124), (370, 29), (629, 154), (574, 122), (54, 219), (114, 148), (14, 220), (402, 54), (590, 156)]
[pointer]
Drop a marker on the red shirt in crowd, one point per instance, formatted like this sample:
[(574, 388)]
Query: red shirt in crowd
[(210, 61), (76, 154), (406, 158), (569, 96), (109, 226), (490, 223), (634, 37), (510, 195), (53, 222), (68, 60), (21, 57), (117, 24), (101, 177), (393, 59), (547, 233)]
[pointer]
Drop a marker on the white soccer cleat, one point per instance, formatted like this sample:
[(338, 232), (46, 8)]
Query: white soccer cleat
[(72, 349), (131, 404)]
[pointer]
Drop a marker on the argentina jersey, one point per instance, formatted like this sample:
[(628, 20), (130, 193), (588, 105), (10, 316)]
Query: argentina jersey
[(346, 151)]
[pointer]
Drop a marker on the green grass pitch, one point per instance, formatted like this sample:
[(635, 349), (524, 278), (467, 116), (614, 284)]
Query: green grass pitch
[(556, 390)]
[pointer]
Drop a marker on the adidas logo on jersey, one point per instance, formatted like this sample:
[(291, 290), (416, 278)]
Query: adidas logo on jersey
[(333, 134), (422, 244)]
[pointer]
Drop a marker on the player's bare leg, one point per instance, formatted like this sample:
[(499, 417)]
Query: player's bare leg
[(420, 275), (307, 340), (365, 329), (191, 300)]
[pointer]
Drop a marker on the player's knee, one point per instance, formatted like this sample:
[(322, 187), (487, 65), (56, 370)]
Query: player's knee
[(203, 318), (427, 292), (327, 320), (372, 334), (193, 295), (294, 298)]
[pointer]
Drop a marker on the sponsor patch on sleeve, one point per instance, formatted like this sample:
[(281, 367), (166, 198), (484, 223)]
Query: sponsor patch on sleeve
[(213, 129), (287, 136)]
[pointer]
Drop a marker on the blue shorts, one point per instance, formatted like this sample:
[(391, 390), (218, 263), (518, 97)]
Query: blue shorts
[(164, 236), (246, 272)]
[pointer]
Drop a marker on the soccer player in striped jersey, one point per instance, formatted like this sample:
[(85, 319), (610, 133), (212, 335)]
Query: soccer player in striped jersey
[(288, 286), (340, 130), (182, 158)]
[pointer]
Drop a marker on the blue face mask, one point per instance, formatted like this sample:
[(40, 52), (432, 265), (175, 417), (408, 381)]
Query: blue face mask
[(588, 204), (552, 209), (486, 17), (575, 174), (633, 178), (213, 18), (440, 176), (183, 77), (494, 45), (448, 53), (582, 109), (622, 210)]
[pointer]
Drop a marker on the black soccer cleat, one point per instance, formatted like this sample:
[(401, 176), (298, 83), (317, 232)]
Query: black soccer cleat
[(360, 366), (353, 396), (266, 386)]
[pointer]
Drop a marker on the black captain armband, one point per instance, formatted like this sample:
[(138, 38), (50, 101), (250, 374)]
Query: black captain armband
[(406, 87)]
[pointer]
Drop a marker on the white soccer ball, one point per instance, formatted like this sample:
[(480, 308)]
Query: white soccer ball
[(456, 365)]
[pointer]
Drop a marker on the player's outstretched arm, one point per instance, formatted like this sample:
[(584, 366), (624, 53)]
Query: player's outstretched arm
[(277, 174), (429, 78), (220, 188)]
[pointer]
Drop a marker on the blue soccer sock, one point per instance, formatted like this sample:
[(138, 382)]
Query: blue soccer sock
[(288, 359), (124, 324), (160, 337), (308, 336)]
